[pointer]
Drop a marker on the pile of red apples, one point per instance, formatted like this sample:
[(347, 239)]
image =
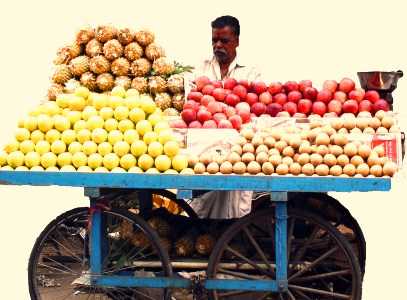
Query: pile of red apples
[(231, 103)]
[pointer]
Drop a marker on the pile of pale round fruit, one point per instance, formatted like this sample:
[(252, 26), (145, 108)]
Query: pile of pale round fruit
[(321, 147), (86, 132)]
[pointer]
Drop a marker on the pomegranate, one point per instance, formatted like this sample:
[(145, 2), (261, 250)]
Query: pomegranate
[(381, 104), (179, 123), (304, 106), (324, 96), (275, 88), (191, 104), (245, 83), (335, 106), (229, 111), (330, 85), (294, 96), (251, 98), (291, 86), (232, 99), (266, 98), (365, 105), (225, 124), (203, 115), (290, 107), (229, 83), (350, 106), (217, 84), (219, 94), (240, 91), (303, 84), (357, 94), (188, 115), (346, 85), (274, 108), (259, 87), (245, 115), (280, 98), (310, 93), (258, 108), (218, 117), (215, 107), (201, 81), (319, 108), (341, 96), (372, 96), (196, 96), (242, 106), (206, 99), (208, 89)]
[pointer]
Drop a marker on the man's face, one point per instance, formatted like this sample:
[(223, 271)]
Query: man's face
[(224, 43)]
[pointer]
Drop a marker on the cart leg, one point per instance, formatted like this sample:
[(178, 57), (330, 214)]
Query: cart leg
[(96, 238), (281, 240)]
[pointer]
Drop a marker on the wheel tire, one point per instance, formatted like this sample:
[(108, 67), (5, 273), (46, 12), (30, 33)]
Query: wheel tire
[(84, 212), (234, 229)]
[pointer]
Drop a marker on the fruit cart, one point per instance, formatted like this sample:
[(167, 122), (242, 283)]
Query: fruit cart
[(279, 251)]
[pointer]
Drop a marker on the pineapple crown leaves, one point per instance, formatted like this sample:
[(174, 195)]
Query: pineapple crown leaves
[(178, 69)]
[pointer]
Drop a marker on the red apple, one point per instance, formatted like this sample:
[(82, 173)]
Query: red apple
[(365, 105), (236, 121), (232, 99), (206, 99), (218, 117), (191, 104), (229, 83), (217, 84), (290, 107), (251, 98), (346, 85), (195, 124), (243, 106), (274, 108), (335, 106), (294, 96), (209, 124), (203, 115), (357, 94), (208, 89), (291, 86), (304, 106), (324, 96), (229, 111), (259, 87), (245, 115), (381, 104), (225, 124), (201, 81), (266, 98), (258, 108), (215, 107), (245, 83), (240, 91), (219, 94), (280, 98), (196, 96), (372, 96), (275, 88), (178, 123), (330, 85), (350, 106), (319, 108), (340, 96), (303, 84), (188, 115), (310, 93)]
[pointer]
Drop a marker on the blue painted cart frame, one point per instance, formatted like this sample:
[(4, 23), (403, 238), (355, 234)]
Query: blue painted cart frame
[(277, 185)]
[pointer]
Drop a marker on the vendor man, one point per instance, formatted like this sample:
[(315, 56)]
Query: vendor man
[(224, 64)]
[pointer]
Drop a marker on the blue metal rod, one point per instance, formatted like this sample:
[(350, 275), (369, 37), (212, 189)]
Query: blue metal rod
[(241, 285), (281, 244), (96, 241), (149, 282)]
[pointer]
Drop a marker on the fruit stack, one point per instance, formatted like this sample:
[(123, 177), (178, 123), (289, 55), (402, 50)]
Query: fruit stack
[(105, 57), (231, 103), (84, 131), (322, 146)]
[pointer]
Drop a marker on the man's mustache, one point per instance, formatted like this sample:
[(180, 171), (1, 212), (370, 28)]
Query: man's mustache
[(220, 52)]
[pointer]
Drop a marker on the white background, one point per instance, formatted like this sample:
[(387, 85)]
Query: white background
[(288, 40)]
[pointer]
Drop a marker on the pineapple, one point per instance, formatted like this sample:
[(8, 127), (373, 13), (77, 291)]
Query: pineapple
[(126, 230), (163, 101), (140, 240), (133, 51), (157, 84), (125, 36), (144, 37), (62, 74), (106, 33), (94, 48), (112, 49), (120, 67), (204, 244), (85, 35), (63, 56), (105, 82), (99, 64), (88, 80), (154, 51), (123, 81), (140, 67), (175, 84), (162, 66), (71, 85), (171, 112), (160, 225), (140, 84), (185, 246), (54, 90), (178, 101), (75, 50), (79, 65)]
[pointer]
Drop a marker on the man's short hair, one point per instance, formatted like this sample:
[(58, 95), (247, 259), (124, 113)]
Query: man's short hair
[(230, 21)]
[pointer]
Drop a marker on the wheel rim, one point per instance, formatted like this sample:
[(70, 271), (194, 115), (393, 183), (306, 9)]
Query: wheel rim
[(322, 264), (59, 268)]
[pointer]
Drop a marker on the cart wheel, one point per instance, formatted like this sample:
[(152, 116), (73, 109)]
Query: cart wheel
[(59, 262), (169, 201), (322, 264)]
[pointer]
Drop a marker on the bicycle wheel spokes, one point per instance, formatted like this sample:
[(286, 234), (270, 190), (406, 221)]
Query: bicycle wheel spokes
[(59, 267)]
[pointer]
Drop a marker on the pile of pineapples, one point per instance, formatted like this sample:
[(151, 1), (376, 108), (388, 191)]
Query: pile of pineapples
[(104, 57)]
